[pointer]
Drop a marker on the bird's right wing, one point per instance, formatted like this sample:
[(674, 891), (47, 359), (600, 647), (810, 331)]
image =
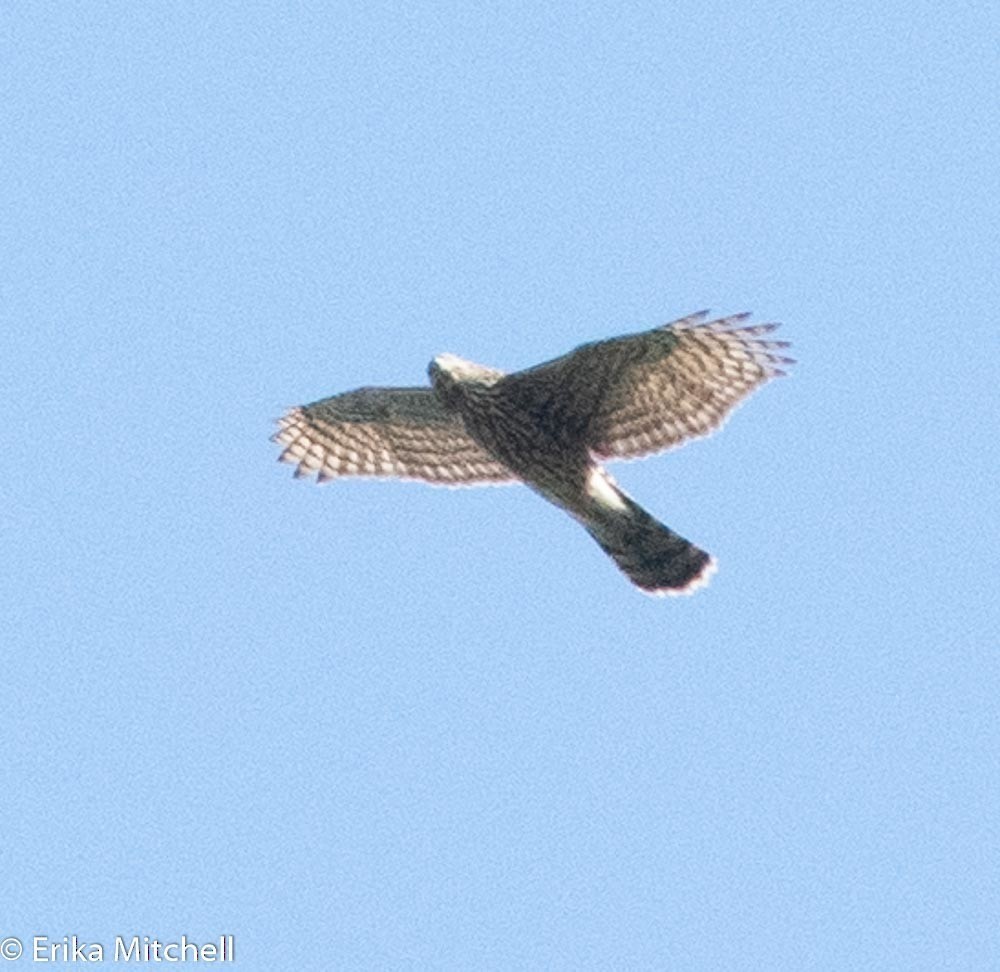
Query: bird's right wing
[(402, 433)]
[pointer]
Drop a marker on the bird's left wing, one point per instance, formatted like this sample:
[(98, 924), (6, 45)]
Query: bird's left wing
[(400, 433), (646, 392)]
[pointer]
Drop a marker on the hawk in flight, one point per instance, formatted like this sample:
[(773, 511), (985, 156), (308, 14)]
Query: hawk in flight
[(551, 426)]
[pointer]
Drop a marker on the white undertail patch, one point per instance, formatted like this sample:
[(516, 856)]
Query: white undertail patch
[(601, 488)]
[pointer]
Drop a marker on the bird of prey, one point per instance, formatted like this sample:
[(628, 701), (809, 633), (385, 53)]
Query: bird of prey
[(551, 426)]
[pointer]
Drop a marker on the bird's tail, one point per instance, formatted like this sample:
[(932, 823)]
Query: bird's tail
[(651, 555)]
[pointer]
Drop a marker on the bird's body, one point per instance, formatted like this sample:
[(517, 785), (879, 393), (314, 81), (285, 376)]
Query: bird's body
[(550, 426)]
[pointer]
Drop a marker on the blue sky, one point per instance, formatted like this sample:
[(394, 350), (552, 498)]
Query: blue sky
[(379, 725)]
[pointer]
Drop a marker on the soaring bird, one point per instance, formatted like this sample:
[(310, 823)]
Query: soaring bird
[(551, 426)]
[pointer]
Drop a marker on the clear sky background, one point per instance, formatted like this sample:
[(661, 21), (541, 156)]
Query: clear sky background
[(380, 725)]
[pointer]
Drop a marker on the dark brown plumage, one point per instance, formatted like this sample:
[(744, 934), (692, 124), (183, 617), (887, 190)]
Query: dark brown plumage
[(549, 426)]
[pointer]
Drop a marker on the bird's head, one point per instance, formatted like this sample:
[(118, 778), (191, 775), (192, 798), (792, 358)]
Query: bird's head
[(449, 374)]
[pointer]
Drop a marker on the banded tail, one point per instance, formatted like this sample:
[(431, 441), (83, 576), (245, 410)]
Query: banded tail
[(651, 555)]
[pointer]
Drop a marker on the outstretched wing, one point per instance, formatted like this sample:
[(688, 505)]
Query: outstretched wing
[(402, 433), (659, 388)]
